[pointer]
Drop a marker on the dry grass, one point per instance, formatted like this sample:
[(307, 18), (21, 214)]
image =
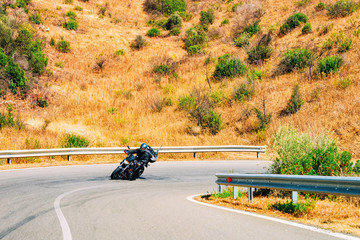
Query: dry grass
[(80, 95), (342, 215)]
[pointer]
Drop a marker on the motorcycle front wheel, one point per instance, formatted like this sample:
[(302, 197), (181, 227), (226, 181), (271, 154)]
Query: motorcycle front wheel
[(116, 174)]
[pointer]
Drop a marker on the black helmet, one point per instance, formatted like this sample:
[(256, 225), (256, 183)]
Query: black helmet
[(143, 146)]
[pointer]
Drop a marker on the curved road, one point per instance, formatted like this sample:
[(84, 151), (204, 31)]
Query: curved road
[(80, 202)]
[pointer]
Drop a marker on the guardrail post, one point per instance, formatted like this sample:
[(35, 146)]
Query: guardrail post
[(257, 154), (236, 192), (194, 154), (220, 189), (9, 161), (294, 196), (250, 194), (69, 158)]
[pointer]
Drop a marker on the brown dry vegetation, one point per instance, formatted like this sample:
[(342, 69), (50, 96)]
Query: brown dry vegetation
[(80, 94), (342, 215)]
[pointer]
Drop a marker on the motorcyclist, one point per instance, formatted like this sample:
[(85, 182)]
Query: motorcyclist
[(142, 154)]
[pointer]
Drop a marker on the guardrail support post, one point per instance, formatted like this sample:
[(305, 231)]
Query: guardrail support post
[(294, 196), (220, 189), (257, 154), (9, 161), (236, 192), (69, 158), (250, 194), (194, 154)]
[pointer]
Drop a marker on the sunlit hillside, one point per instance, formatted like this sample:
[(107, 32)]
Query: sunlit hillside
[(107, 90)]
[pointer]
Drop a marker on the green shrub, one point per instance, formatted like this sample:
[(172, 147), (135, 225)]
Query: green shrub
[(139, 42), (35, 18), (230, 67), (243, 40), (307, 154), (74, 141), (6, 32), (297, 58), (338, 40), (78, 8), (24, 40), (259, 54), (345, 45), (71, 24), (120, 52), (264, 119), (252, 29), (320, 6), (292, 22), (40, 102), (342, 8), (207, 17), (244, 92), (166, 7), (38, 62), (343, 83), (195, 49), (9, 120), (212, 121), (3, 58), (186, 16), (71, 14), (356, 167), (163, 69), (329, 64), (307, 28), (16, 76), (174, 21), (302, 3), (175, 32), (63, 46), (161, 23), (68, 1), (154, 32), (297, 208), (195, 36), (225, 21), (295, 102)]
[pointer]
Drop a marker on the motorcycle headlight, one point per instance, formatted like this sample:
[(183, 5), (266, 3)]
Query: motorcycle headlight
[(126, 162)]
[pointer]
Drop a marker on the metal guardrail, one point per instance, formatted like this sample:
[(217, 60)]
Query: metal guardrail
[(9, 154), (318, 184)]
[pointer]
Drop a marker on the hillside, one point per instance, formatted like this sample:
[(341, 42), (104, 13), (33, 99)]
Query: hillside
[(107, 91)]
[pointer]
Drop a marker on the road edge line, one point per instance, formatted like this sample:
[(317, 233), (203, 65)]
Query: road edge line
[(294, 224)]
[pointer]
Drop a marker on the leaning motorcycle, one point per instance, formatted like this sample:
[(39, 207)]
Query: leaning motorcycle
[(130, 168)]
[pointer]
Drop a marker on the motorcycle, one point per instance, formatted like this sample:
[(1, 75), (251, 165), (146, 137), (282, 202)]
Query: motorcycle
[(130, 168)]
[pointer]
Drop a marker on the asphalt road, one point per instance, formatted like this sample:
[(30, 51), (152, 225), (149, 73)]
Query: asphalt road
[(41, 203)]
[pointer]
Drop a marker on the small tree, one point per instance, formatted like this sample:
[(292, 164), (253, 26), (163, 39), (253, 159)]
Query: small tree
[(295, 102)]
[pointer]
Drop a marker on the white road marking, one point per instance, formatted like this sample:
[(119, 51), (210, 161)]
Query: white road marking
[(64, 225), (315, 229)]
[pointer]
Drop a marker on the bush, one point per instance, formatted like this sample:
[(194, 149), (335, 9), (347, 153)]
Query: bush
[(175, 32), (153, 32), (264, 119), (24, 40), (3, 58), (225, 21), (242, 40), (229, 67), (207, 17), (6, 32), (329, 64), (166, 7), (306, 29), (297, 208), (292, 22), (41, 103), (244, 92), (252, 29), (38, 62), (308, 154), (339, 40), (174, 21), (186, 16), (163, 69), (139, 42), (74, 141), (71, 24), (295, 102), (195, 36), (16, 76), (71, 14), (342, 8), (213, 122), (356, 167), (63, 46), (8, 120), (320, 6), (297, 58), (35, 18), (259, 54), (195, 49)]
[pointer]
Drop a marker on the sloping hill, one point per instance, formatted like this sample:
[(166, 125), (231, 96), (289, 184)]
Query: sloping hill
[(114, 97)]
